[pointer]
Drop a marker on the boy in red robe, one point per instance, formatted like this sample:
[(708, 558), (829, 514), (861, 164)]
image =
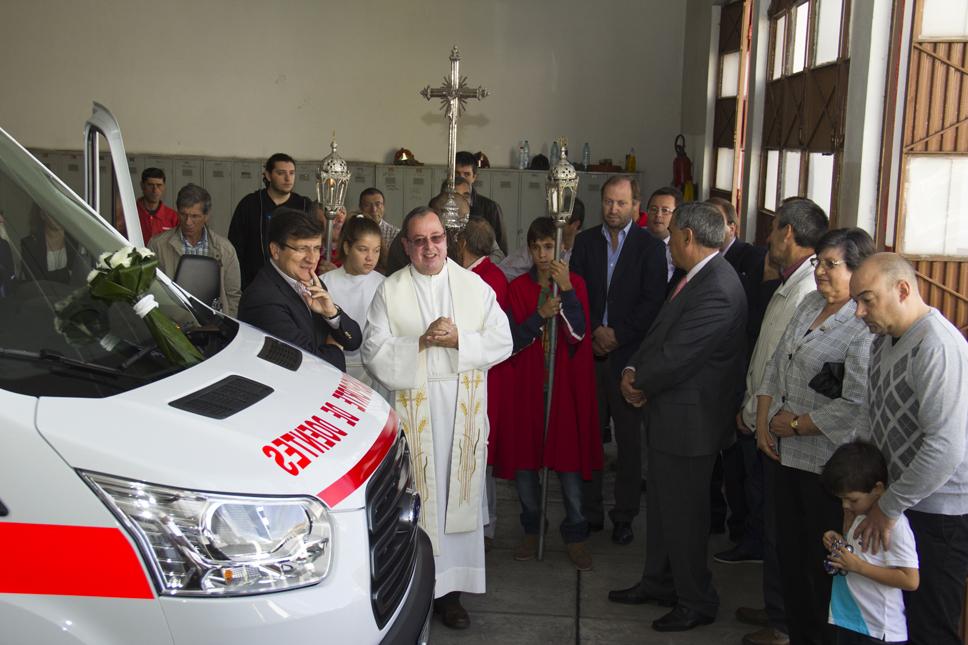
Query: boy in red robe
[(573, 447)]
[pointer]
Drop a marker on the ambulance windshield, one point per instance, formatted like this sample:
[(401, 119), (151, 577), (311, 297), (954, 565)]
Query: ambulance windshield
[(59, 336)]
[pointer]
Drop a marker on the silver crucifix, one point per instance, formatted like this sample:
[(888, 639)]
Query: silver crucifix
[(453, 95)]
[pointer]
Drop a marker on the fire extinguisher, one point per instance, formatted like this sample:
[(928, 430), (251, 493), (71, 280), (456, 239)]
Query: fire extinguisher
[(682, 171)]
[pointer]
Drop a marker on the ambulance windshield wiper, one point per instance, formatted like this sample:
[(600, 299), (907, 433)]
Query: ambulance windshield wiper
[(46, 355)]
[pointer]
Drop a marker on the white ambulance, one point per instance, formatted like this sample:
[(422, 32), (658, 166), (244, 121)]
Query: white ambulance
[(256, 496)]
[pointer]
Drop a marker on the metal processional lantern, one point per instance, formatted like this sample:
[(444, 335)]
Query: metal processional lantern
[(562, 189), (332, 179)]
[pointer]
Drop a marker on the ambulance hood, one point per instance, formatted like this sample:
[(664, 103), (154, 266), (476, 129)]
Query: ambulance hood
[(315, 431)]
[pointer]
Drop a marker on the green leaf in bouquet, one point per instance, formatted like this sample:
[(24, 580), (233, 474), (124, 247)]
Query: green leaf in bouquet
[(171, 340)]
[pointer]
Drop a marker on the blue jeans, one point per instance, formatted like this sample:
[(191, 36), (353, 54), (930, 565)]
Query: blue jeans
[(573, 528)]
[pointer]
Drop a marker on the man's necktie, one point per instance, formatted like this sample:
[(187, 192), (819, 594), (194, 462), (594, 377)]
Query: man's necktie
[(679, 287)]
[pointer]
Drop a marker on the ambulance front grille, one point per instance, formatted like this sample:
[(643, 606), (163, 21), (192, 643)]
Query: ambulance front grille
[(393, 543)]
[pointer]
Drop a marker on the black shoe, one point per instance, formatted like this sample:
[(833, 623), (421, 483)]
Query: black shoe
[(622, 533), (739, 554), (753, 616), (451, 612), (635, 596), (681, 619)]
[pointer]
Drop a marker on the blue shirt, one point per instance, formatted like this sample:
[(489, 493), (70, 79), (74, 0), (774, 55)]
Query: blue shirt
[(612, 256)]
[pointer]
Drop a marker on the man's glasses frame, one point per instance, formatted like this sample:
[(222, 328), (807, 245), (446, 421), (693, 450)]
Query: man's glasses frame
[(422, 241)]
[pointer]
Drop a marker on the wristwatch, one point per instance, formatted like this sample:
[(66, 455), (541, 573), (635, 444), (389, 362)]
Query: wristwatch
[(795, 425)]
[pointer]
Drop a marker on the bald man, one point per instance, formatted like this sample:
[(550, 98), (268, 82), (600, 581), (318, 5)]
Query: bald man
[(919, 420)]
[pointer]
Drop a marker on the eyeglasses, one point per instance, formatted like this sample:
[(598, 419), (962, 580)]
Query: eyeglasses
[(828, 265), (655, 210), (434, 239), (306, 250)]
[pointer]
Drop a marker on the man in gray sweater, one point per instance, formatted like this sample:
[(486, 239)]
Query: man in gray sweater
[(919, 420)]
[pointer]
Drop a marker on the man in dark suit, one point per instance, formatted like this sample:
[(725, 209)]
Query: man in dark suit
[(286, 298), (625, 271), (466, 166), (729, 472), (684, 376), (747, 259)]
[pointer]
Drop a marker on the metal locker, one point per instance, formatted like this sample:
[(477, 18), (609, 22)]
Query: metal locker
[(533, 204), (217, 180), (54, 160), (418, 188), (590, 192), (389, 179), (47, 158), (70, 168), (362, 176), (106, 193), (246, 178), (165, 163), (15, 206), (183, 172), (483, 183), (438, 175), (306, 179), (506, 191), (135, 166)]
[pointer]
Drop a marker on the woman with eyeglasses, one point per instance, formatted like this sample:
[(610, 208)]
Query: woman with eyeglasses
[(812, 399)]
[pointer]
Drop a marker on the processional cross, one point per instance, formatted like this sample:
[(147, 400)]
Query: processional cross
[(453, 95)]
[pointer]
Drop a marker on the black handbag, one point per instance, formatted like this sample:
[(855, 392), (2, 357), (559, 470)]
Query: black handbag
[(829, 381)]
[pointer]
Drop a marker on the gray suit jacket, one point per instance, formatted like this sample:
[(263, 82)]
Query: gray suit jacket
[(691, 363)]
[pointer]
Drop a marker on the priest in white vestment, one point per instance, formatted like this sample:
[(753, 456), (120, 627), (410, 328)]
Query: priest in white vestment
[(433, 330)]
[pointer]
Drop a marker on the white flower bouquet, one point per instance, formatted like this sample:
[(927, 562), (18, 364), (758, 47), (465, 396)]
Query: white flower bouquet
[(126, 276)]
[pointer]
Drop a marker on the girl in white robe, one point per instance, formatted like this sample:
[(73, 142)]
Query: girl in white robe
[(354, 284)]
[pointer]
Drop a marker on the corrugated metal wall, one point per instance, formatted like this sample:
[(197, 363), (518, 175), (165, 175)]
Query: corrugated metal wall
[(937, 98), (936, 122), (944, 285)]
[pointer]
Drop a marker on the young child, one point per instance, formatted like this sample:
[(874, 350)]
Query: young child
[(354, 284), (573, 447), (866, 603)]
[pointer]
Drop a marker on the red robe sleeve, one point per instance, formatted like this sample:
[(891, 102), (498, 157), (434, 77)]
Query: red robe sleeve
[(499, 382), (574, 440)]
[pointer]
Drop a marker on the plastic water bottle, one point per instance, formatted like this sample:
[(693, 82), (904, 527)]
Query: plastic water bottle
[(555, 154), (586, 156), (522, 164), (526, 159)]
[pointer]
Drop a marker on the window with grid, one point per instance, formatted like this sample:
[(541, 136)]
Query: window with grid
[(805, 103), (934, 140), (729, 120)]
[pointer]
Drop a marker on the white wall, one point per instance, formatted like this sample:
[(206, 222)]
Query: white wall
[(866, 87), (696, 52), (248, 78)]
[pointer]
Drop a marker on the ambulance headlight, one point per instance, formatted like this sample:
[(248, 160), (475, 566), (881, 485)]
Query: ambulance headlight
[(209, 544)]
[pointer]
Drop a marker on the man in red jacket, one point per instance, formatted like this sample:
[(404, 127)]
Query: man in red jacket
[(154, 215)]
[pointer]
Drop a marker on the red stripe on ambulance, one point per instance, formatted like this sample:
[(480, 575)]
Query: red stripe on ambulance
[(358, 474), (52, 559)]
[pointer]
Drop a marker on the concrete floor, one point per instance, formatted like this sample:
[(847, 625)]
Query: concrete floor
[(551, 603)]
